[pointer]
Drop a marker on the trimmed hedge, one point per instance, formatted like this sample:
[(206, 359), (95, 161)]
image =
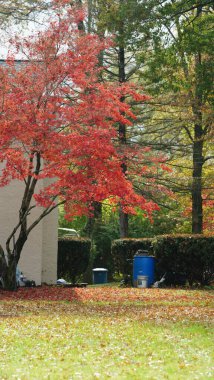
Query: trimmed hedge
[(182, 257), (191, 255), (73, 257), (123, 251)]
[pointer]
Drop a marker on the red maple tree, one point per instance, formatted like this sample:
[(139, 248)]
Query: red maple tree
[(57, 122)]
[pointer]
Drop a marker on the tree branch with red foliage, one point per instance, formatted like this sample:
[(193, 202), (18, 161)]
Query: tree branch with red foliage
[(58, 123)]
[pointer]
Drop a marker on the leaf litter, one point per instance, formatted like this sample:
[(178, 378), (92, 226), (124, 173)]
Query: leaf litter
[(146, 304), (106, 333)]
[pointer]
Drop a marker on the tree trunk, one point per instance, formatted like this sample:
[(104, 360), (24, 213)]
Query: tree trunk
[(89, 227), (198, 160), (124, 224), (197, 209), (123, 217), (8, 270), (9, 277)]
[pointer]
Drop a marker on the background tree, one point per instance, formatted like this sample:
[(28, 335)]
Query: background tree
[(124, 21), (168, 45), (178, 72)]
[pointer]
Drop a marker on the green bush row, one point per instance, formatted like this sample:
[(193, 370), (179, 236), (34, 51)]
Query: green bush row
[(191, 255), (73, 258)]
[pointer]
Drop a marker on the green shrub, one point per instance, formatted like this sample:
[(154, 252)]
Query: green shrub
[(102, 236), (123, 251), (192, 255), (73, 257)]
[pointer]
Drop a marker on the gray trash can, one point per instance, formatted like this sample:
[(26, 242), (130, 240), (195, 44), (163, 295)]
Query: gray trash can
[(100, 275)]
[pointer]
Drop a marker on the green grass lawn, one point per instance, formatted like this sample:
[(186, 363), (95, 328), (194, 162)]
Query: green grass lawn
[(111, 334)]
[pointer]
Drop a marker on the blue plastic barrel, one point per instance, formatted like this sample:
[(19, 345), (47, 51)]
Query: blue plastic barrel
[(144, 266), (100, 275)]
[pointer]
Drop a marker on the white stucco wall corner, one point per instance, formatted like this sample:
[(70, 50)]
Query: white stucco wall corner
[(38, 260)]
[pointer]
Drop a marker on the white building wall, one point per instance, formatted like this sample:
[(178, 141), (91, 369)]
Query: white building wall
[(38, 260), (49, 247), (30, 262)]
